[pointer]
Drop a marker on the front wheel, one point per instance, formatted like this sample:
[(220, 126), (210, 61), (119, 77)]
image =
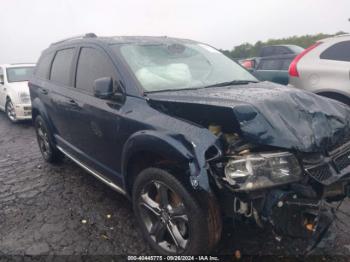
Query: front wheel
[(171, 219), (10, 111)]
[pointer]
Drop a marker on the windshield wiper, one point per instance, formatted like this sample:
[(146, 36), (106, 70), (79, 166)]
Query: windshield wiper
[(230, 83)]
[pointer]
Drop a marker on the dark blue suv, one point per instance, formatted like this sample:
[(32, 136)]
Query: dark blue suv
[(190, 137)]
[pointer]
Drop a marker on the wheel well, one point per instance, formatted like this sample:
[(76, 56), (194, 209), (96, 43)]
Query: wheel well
[(144, 159), (35, 113), (336, 96)]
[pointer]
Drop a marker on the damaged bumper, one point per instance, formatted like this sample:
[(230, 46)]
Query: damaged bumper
[(298, 209)]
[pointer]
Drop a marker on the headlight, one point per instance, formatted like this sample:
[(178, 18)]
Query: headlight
[(25, 98), (263, 170)]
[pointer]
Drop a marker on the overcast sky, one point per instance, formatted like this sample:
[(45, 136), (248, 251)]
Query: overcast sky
[(29, 26)]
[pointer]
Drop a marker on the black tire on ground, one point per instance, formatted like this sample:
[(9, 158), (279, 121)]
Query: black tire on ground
[(49, 152), (9, 110), (171, 218)]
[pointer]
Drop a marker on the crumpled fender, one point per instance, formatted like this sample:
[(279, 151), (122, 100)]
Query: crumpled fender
[(172, 146)]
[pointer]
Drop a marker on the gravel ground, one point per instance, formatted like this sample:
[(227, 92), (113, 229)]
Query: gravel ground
[(62, 210)]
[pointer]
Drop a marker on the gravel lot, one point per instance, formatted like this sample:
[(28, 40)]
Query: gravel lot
[(62, 210)]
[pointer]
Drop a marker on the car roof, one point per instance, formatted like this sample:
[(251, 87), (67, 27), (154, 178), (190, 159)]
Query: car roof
[(110, 40), (280, 45), (335, 38), (18, 65)]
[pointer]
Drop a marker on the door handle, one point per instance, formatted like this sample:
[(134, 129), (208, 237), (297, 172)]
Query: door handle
[(43, 91), (72, 101)]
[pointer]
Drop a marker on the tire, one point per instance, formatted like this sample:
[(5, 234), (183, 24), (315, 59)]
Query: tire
[(10, 111), (171, 218), (49, 152)]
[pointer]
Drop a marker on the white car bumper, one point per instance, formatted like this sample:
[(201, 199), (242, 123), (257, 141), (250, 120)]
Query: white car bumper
[(23, 111)]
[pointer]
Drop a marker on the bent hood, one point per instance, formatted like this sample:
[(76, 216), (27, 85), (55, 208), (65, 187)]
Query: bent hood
[(270, 114)]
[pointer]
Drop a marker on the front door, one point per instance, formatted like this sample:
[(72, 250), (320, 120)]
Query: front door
[(94, 130)]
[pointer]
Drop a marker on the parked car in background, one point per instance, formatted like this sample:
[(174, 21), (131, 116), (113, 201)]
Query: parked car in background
[(14, 91), (273, 63), (189, 136), (324, 68)]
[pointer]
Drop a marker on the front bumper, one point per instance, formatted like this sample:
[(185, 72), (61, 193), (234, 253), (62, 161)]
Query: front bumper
[(23, 111), (299, 209)]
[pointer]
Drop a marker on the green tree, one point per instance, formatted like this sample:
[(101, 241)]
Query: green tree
[(250, 50)]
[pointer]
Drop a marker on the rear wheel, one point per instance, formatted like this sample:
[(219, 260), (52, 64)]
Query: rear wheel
[(10, 111), (171, 218), (48, 151)]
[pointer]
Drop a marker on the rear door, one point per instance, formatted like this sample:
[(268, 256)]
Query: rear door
[(274, 69), (334, 69), (58, 92), (94, 129)]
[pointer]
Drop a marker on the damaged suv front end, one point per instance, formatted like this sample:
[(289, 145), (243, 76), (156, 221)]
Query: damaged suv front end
[(269, 153), (280, 162)]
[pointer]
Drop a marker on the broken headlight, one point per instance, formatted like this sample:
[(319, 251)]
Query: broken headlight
[(256, 171)]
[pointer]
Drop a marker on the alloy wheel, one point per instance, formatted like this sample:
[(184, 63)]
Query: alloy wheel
[(10, 110), (165, 217), (43, 140)]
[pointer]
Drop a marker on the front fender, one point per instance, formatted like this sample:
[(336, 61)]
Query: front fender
[(171, 146), (12, 95)]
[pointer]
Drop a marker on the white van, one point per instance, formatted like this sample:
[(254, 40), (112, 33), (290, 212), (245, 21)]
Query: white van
[(14, 91)]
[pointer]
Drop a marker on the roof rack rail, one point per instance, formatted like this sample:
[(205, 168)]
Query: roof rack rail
[(342, 35), (21, 63), (87, 35)]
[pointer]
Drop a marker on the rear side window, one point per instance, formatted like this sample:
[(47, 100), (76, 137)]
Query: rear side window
[(339, 52), (43, 68), (270, 64), (92, 64), (61, 66)]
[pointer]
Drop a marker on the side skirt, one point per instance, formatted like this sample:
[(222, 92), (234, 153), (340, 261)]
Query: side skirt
[(94, 173)]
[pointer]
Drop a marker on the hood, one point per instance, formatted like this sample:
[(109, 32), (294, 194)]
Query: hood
[(270, 114), (19, 87)]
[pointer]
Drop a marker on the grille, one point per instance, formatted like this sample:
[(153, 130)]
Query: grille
[(342, 161), (345, 139), (27, 108), (320, 173)]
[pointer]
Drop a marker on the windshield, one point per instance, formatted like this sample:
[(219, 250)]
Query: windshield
[(180, 66), (19, 74), (296, 49)]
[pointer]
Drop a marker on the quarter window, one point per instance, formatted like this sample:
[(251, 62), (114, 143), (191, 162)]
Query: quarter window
[(339, 52), (61, 66), (92, 64)]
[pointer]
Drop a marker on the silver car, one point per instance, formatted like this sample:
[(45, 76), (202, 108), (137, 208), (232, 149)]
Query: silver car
[(324, 68)]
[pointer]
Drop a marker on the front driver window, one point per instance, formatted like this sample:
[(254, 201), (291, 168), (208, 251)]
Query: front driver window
[(92, 65)]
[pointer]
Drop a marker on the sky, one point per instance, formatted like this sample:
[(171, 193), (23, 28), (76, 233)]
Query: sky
[(29, 26)]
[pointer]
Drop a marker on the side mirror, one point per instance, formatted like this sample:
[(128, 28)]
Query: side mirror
[(103, 87)]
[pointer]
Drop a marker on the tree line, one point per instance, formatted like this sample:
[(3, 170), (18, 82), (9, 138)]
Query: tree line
[(250, 50)]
